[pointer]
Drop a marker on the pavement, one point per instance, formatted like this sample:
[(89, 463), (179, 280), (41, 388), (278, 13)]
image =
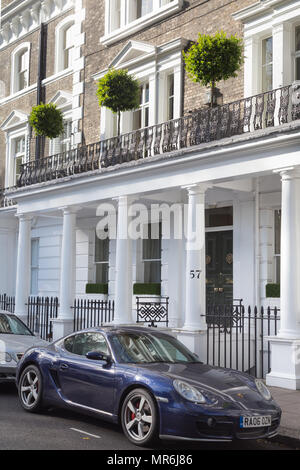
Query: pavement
[(289, 401)]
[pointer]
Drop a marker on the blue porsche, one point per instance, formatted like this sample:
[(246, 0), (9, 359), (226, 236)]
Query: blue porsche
[(150, 383)]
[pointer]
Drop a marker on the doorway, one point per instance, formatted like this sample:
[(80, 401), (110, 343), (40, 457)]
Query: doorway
[(219, 267)]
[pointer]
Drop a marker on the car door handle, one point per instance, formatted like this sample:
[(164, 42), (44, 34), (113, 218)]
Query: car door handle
[(63, 367)]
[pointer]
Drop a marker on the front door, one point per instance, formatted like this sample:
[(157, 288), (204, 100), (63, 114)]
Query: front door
[(219, 267)]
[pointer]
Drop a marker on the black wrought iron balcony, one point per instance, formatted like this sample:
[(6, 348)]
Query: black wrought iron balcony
[(273, 108)]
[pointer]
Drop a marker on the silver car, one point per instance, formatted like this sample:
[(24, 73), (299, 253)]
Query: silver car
[(15, 339)]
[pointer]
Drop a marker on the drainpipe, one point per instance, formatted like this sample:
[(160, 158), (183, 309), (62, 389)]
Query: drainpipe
[(41, 74), (257, 246), (156, 101)]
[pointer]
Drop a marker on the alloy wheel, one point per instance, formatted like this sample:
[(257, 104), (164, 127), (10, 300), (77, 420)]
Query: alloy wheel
[(138, 417), (30, 388)]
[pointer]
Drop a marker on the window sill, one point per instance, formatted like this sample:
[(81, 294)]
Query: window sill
[(141, 23)]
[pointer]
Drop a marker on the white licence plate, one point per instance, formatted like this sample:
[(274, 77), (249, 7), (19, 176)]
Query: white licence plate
[(255, 421)]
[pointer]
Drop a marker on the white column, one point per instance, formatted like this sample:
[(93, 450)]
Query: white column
[(195, 286), (63, 324), (285, 348), (23, 265), (282, 67), (290, 254), (123, 291), (68, 264)]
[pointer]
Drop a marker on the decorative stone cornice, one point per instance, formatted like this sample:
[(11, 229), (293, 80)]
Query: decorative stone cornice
[(17, 20)]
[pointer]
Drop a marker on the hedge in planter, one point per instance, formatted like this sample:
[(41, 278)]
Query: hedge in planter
[(273, 290), (147, 289), (96, 289), (46, 120)]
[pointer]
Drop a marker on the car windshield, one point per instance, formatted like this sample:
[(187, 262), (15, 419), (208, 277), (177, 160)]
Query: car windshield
[(10, 325), (149, 348)]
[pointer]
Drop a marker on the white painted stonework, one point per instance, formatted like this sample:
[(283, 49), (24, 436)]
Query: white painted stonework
[(256, 174)]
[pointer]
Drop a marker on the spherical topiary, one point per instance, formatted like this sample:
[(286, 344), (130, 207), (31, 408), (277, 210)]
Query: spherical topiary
[(118, 91), (46, 120), (213, 58)]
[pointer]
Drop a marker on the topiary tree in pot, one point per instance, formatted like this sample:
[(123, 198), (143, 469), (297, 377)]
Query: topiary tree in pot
[(46, 120), (213, 58), (119, 92)]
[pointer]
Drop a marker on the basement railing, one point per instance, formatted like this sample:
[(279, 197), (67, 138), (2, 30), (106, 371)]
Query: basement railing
[(266, 110)]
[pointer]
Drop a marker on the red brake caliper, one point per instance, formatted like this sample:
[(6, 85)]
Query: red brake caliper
[(132, 413)]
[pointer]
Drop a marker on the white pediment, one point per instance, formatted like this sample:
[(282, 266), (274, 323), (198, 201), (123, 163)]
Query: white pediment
[(15, 119), (132, 51), (62, 99)]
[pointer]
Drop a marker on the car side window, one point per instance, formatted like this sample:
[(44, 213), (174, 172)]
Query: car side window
[(87, 342), (69, 344)]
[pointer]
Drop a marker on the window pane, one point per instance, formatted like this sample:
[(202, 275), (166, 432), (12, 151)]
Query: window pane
[(146, 99), (144, 7), (297, 38), (18, 163), (34, 253), (267, 64), (101, 273), (152, 246), (137, 120), (277, 269), (267, 51), (101, 249), (152, 271), (277, 224), (297, 77), (219, 217), (170, 96)]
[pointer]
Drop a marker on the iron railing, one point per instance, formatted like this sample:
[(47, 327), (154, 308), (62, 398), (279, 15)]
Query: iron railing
[(236, 338), (91, 313), (40, 312), (7, 303), (151, 310), (5, 202), (265, 110)]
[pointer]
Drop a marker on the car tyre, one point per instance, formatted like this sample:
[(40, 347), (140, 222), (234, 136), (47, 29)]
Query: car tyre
[(30, 389), (139, 418)]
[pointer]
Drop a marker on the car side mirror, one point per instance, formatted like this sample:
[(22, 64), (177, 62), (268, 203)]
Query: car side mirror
[(98, 356)]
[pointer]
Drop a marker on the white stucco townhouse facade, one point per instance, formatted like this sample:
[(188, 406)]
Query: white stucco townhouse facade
[(233, 175)]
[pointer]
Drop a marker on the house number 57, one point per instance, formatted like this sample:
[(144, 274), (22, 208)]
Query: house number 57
[(195, 273)]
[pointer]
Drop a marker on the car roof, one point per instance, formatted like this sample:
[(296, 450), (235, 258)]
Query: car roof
[(123, 328)]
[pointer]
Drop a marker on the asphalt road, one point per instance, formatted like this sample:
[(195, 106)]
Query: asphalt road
[(64, 430)]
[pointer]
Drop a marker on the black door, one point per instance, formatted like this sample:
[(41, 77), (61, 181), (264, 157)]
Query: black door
[(219, 267)]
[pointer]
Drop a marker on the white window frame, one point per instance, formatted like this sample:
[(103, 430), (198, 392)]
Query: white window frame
[(261, 20), (25, 47), (55, 145), (153, 68), (63, 101), (60, 30), (129, 24), (10, 174)]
